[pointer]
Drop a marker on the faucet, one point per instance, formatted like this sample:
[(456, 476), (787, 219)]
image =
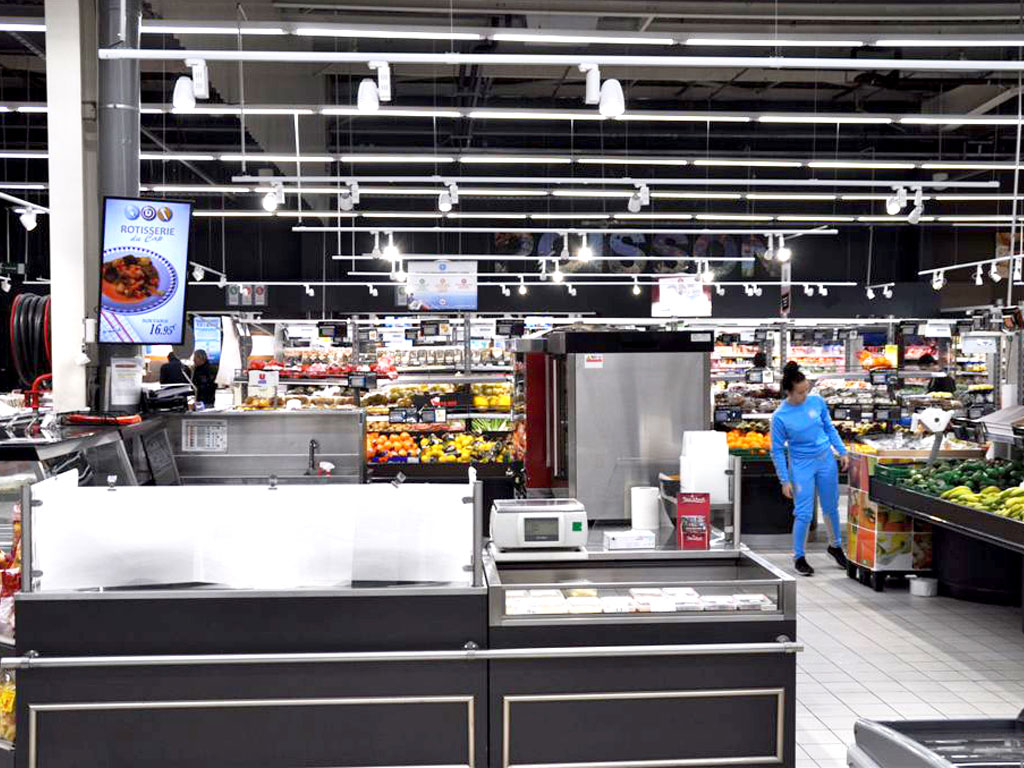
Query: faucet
[(314, 446)]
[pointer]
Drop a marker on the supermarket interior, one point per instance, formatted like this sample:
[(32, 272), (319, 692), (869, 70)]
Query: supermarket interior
[(511, 384)]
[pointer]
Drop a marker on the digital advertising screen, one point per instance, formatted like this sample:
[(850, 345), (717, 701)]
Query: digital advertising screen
[(441, 285), (143, 271)]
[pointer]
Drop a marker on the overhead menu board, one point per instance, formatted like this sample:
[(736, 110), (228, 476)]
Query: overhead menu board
[(143, 271), (441, 285)]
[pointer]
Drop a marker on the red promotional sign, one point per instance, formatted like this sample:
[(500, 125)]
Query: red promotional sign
[(693, 513)]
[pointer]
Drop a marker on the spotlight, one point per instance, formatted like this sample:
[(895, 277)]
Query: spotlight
[(372, 290), (636, 287), (748, 289), (184, 98), (376, 245), (309, 289), (783, 253), (391, 252), (639, 199), (274, 198), (522, 286), (808, 290), (444, 202), (353, 191), (198, 273), (345, 201), (607, 95), (916, 212), (565, 247), (897, 201), (29, 220), (979, 276), (505, 291), (769, 252), (993, 273), (370, 93), (887, 291), (758, 290), (571, 290), (585, 253), (938, 280), (870, 292), (720, 290), (399, 276), (822, 290), (5, 284), (222, 281), (707, 276), (557, 276)]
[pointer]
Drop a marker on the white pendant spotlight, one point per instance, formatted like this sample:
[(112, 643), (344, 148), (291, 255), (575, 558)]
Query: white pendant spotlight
[(636, 287), (222, 281), (993, 273), (938, 280), (448, 198), (309, 290), (585, 253), (370, 93), (783, 253), (188, 89), (198, 273), (896, 202), (505, 291), (565, 247), (918, 210), (28, 220), (557, 276), (274, 198), (720, 290), (822, 290), (348, 198), (808, 290), (376, 246), (639, 199), (887, 291), (571, 290), (522, 286), (979, 276), (769, 252), (870, 293), (391, 252), (707, 275), (608, 96)]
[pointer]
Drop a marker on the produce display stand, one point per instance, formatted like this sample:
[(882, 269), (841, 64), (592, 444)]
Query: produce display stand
[(881, 539)]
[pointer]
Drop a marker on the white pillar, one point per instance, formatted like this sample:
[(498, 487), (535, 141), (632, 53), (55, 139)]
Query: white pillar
[(71, 88)]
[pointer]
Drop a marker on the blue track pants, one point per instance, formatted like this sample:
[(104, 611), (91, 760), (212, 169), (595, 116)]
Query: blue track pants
[(817, 473)]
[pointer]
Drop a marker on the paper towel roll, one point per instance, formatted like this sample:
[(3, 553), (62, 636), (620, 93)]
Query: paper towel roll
[(645, 508)]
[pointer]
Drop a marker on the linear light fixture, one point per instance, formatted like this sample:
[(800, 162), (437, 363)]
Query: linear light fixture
[(733, 217), (392, 112), (591, 192), (9, 25), (180, 156), (21, 185), (23, 154), (207, 189), (560, 38), (747, 163), (396, 158), (265, 157), (386, 34), (967, 166), (514, 159), (890, 219), (654, 216), (866, 164), (554, 216), (941, 42), (227, 109), (683, 117), (770, 42), (533, 114), (956, 120), (581, 230), (826, 119), (975, 198), (696, 195), (462, 215), (32, 108), (828, 217), (631, 161), (789, 196), (232, 214), (400, 214), (179, 28), (983, 217)]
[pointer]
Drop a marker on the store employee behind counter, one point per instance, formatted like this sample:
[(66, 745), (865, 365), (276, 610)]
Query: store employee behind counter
[(204, 377)]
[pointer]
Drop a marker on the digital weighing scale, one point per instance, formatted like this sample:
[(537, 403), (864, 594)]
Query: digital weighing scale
[(538, 529)]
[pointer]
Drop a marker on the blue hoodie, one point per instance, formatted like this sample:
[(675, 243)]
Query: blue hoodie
[(808, 431)]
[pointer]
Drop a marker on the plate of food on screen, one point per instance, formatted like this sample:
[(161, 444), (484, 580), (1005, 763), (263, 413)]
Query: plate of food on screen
[(136, 280)]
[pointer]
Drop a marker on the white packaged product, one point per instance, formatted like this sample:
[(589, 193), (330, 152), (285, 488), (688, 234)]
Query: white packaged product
[(546, 593), (516, 593), (581, 592), (662, 605), (689, 604), (584, 605), (617, 604), (681, 592), (548, 607), (638, 592), (517, 606), (718, 603), (753, 602)]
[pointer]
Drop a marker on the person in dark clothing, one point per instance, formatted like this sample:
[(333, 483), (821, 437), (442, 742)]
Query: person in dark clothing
[(940, 383), (204, 377), (173, 372), (760, 360)]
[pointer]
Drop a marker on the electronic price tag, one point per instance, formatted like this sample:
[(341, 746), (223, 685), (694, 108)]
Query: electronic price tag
[(723, 415)]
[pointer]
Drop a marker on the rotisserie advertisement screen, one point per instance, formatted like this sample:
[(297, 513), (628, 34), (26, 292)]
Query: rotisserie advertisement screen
[(143, 271)]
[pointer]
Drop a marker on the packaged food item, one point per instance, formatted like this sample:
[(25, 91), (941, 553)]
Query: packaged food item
[(638, 592), (8, 731), (718, 603), (584, 605), (617, 604), (681, 592), (689, 604), (548, 593), (581, 592), (753, 602), (517, 606)]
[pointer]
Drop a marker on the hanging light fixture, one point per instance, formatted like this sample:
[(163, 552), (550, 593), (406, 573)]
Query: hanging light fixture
[(565, 246), (896, 202), (917, 211), (29, 219), (993, 273), (769, 252), (1018, 269), (870, 293), (505, 290), (938, 280), (391, 252), (522, 286), (309, 290), (608, 96), (198, 273), (274, 199), (585, 252), (376, 245), (822, 290), (783, 253), (557, 276), (887, 291), (370, 93), (707, 275), (808, 289), (639, 199), (636, 286), (720, 290), (570, 289)]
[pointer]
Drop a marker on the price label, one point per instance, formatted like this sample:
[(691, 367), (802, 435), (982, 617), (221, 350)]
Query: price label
[(867, 416), (204, 436), (433, 415), (411, 334), (975, 412), (883, 415), (399, 416), (761, 335), (364, 335), (723, 415), (840, 414)]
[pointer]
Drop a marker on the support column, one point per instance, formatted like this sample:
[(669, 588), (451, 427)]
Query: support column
[(71, 90)]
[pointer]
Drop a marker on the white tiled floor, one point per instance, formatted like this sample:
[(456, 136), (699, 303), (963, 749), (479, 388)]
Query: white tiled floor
[(891, 656)]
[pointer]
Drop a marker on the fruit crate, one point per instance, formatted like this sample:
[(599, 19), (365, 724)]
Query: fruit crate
[(750, 453), (893, 474)]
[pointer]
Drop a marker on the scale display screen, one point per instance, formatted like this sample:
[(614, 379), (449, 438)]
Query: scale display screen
[(540, 529)]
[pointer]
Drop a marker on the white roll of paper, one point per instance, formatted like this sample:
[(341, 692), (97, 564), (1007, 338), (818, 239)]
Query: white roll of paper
[(645, 508)]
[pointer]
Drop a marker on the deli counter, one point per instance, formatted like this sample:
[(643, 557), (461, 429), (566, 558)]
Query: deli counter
[(368, 625)]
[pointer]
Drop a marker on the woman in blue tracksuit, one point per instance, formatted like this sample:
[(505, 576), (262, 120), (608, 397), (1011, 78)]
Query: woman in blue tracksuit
[(802, 425)]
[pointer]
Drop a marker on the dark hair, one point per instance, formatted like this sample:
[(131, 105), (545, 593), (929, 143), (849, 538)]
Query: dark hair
[(760, 360), (201, 352), (791, 376), (926, 359), (171, 356)]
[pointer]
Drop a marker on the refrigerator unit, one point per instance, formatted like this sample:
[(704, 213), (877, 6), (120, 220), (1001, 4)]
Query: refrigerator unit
[(606, 411)]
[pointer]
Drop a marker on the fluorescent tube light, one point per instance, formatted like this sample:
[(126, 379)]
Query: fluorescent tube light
[(23, 26), (231, 214), (967, 166), (866, 164), (21, 185), (502, 159), (813, 217), (654, 216), (502, 192), (225, 109), (970, 198), (891, 219), (827, 119), (400, 215), (591, 192), (541, 37), (33, 108), (551, 216), (631, 161), (396, 158), (682, 117), (178, 28), (386, 34), (535, 114), (985, 217), (696, 195), (956, 120), (768, 42), (744, 163), (264, 157), (391, 112), (181, 156), (25, 154), (211, 189), (734, 217), (941, 42), (461, 215), (789, 196)]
